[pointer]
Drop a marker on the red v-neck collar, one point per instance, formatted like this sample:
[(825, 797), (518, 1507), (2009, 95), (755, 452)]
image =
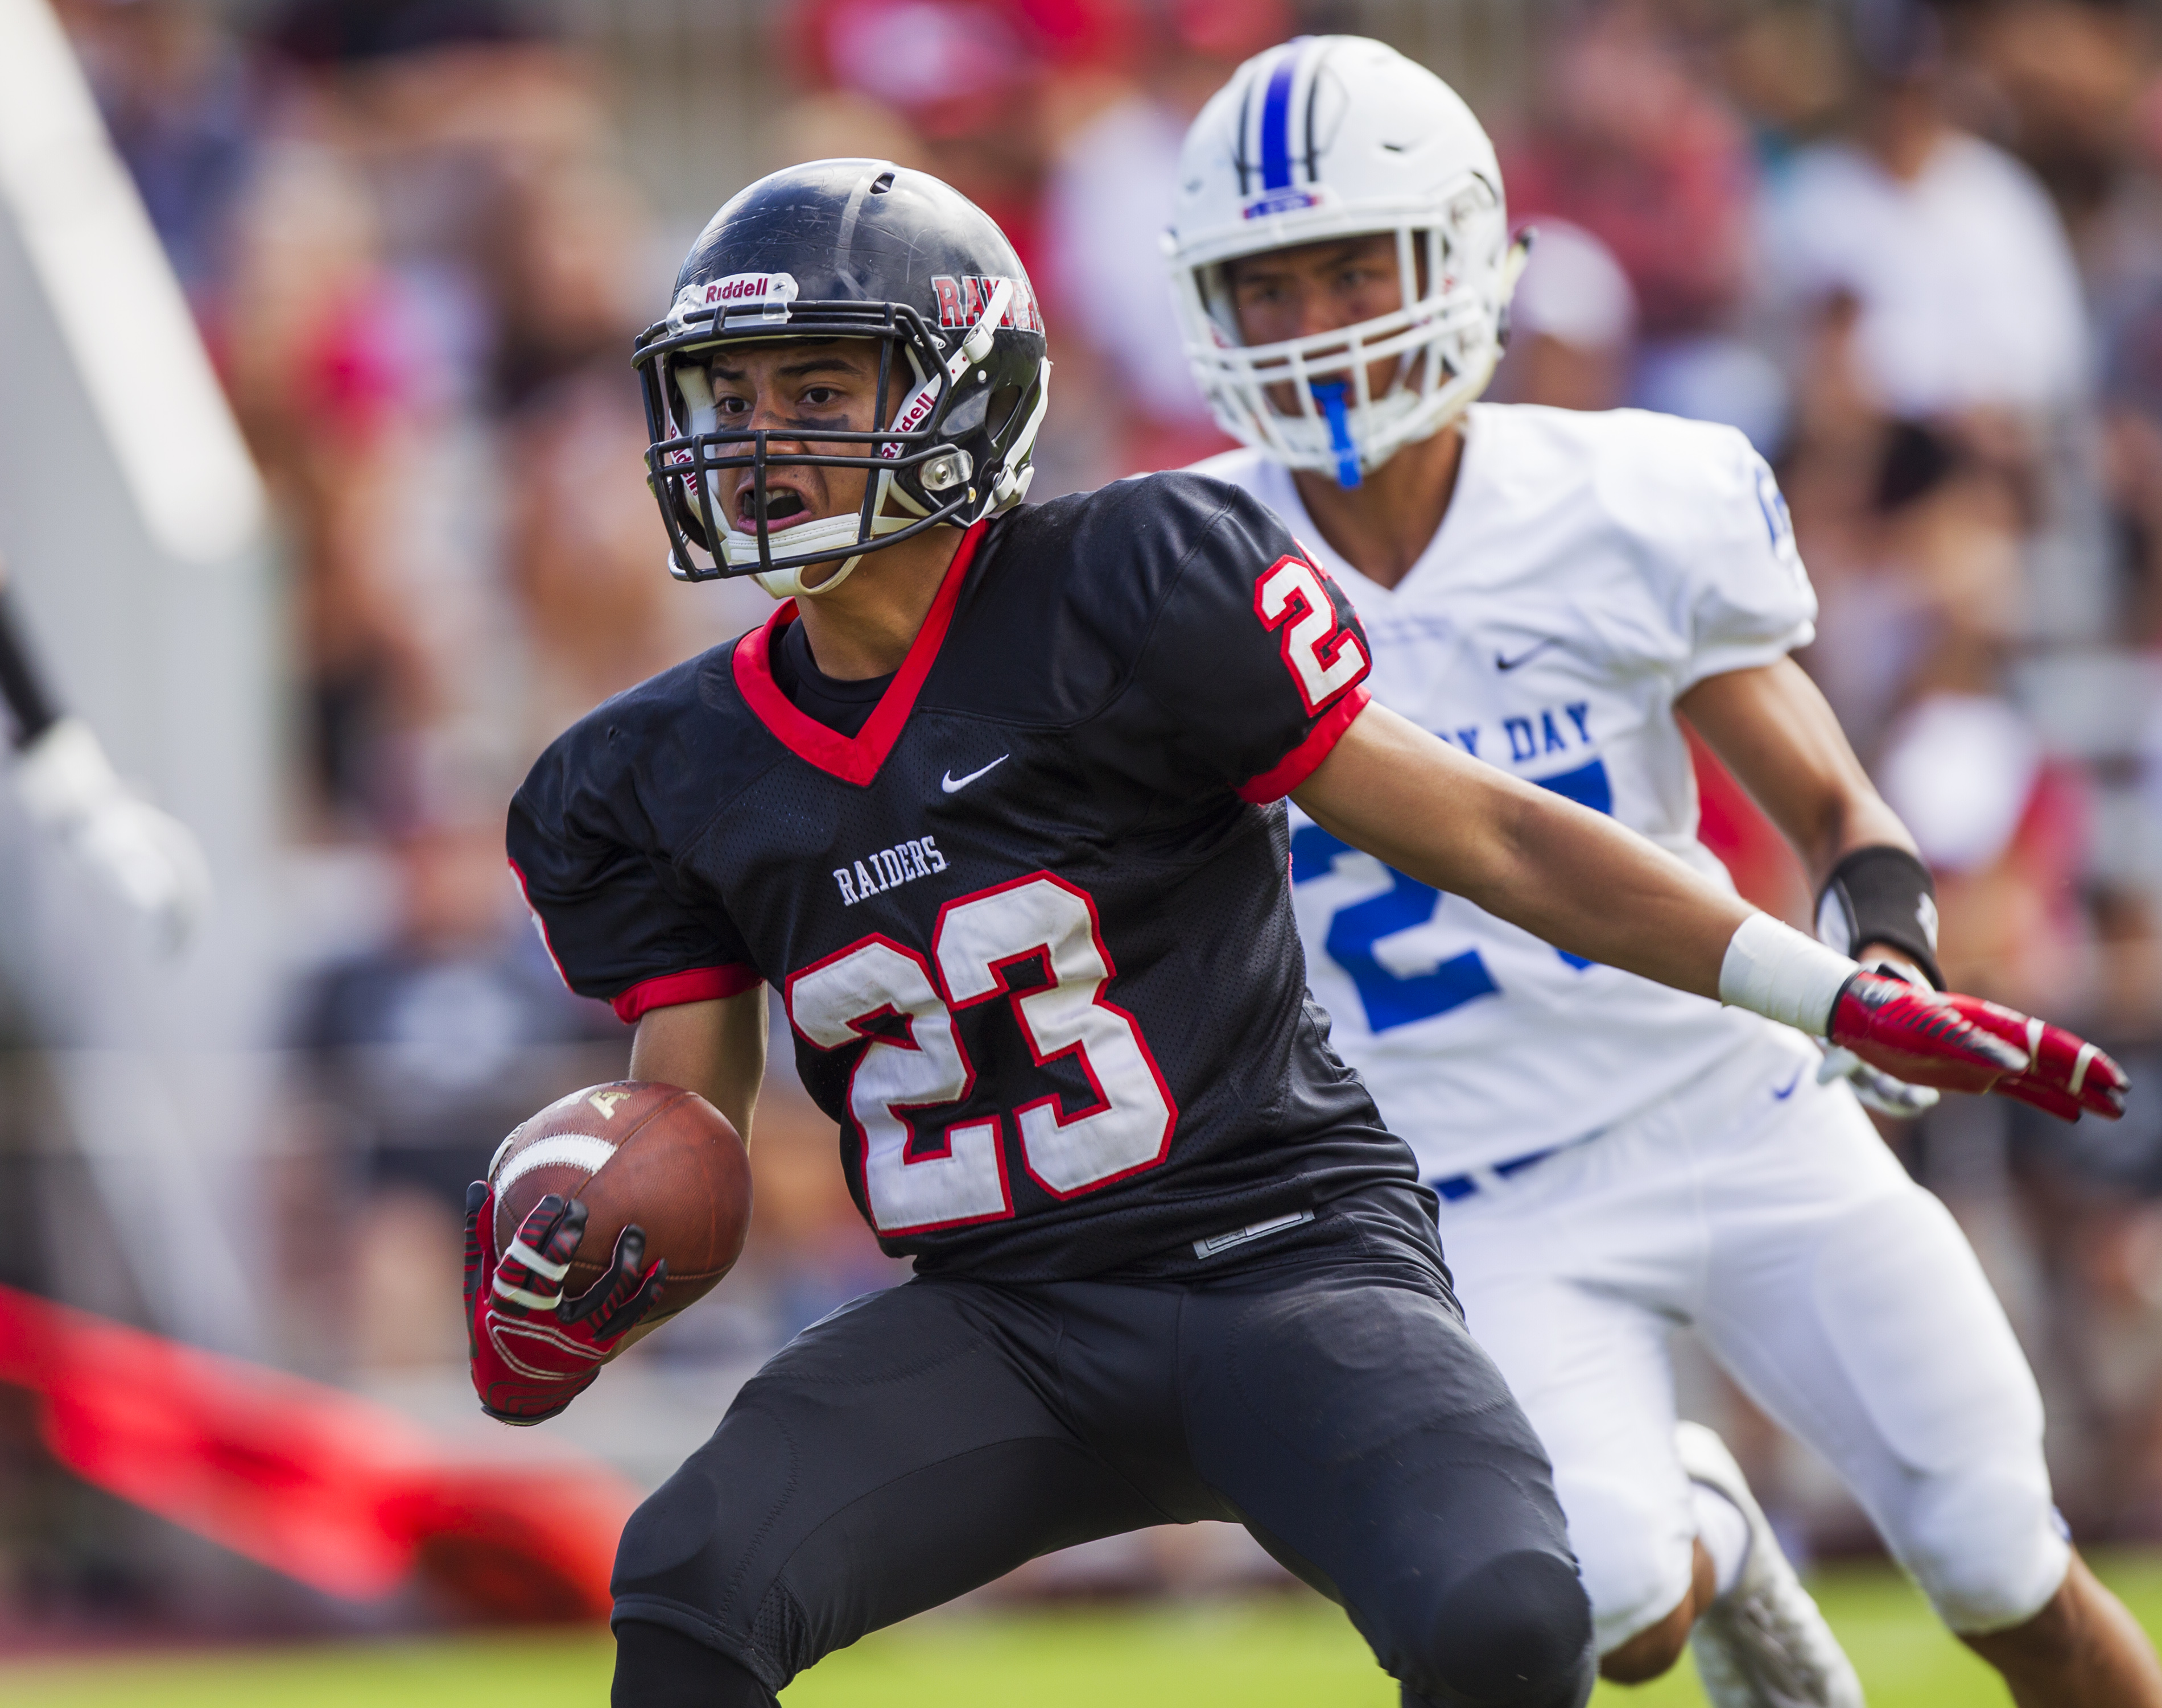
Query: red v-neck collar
[(853, 759)]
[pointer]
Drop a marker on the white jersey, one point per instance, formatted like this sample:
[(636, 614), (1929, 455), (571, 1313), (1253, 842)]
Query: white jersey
[(1590, 569)]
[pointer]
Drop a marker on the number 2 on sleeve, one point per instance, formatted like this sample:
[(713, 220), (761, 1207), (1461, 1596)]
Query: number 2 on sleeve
[(1324, 659)]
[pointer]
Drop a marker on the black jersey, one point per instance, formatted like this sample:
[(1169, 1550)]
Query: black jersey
[(1032, 924)]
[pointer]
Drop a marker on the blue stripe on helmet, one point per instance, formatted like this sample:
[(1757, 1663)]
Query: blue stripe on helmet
[(1275, 123)]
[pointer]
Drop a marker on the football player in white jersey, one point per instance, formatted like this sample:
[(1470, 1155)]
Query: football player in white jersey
[(1547, 591)]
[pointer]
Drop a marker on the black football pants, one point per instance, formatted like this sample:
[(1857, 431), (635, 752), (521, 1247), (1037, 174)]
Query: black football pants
[(921, 1441)]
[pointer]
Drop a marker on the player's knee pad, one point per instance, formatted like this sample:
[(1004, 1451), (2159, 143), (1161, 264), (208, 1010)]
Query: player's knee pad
[(1986, 1544), (687, 1554), (658, 1667), (1633, 1547), (1517, 1631)]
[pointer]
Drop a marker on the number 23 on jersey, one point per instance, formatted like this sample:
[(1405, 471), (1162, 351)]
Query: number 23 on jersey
[(899, 1006)]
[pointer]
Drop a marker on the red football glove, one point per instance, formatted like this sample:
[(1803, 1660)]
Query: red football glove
[(1963, 1044), (533, 1351)]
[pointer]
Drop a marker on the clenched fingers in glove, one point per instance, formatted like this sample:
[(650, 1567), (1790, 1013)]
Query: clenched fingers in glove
[(533, 1351)]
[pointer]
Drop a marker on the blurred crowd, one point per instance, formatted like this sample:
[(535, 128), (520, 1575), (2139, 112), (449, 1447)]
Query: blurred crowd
[(1913, 250)]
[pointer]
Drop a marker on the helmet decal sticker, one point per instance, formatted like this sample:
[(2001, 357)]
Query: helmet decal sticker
[(771, 292), (961, 300)]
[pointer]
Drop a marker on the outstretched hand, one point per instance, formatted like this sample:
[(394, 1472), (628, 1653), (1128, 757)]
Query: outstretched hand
[(1964, 1043), (533, 1351)]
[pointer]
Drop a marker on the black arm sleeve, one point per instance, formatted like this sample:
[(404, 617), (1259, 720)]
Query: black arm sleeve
[(621, 921)]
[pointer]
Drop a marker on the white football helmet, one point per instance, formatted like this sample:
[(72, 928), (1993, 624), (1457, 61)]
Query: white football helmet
[(1336, 136)]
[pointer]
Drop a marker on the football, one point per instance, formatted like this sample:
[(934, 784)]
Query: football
[(633, 1152)]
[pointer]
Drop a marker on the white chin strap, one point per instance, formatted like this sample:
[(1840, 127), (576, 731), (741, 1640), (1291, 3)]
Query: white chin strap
[(740, 549)]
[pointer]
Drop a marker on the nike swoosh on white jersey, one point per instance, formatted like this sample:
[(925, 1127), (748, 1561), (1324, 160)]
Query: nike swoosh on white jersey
[(1502, 663), (953, 784)]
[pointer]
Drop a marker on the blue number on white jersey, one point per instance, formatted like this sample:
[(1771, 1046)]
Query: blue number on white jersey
[(1393, 998)]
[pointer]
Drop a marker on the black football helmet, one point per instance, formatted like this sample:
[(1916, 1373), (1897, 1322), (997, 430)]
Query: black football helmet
[(848, 249)]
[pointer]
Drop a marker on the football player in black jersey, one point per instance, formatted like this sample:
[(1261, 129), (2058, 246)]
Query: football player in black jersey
[(993, 801)]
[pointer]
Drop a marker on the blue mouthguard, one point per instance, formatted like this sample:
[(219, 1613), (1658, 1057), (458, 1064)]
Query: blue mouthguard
[(1329, 394)]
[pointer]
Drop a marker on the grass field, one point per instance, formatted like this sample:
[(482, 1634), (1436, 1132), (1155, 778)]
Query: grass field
[(1287, 1652)]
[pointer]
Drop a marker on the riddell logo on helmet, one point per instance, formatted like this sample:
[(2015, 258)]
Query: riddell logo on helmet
[(751, 287), (770, 291), (961, 301), (913, 414)]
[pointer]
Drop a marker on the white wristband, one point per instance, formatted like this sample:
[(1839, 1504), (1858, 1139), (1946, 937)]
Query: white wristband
[(1775, 971)]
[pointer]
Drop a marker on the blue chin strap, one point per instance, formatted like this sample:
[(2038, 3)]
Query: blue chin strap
[(1329, 394)]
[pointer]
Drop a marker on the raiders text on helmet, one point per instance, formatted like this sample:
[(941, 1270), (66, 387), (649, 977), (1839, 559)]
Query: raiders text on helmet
[(847, 249), (1332, 136)]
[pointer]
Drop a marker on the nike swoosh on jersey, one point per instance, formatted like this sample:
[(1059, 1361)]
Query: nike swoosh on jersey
[(1786, 1090), (1508, 663), (953, 785)]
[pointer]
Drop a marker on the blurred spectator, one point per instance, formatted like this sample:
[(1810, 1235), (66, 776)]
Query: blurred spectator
[(2091, 123), (1785, 67), (964, 77), (1963, 285), (2059, 82), (1915, 539), (345, 32), (2003, 828), (174, 91), (587, 560), (1108, 203), (567, 272), (474, 246), (1572, 324), (317, 356), (838, 125), (1632, 148), (435, 1045), (1933, 316), (420, 1056)]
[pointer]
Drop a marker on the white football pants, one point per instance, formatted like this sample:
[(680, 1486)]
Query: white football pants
[(1763, 1210)]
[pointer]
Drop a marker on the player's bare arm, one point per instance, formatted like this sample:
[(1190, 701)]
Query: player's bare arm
[(715, 1048), (1592, 888), (1573, 876), (1773, 729)]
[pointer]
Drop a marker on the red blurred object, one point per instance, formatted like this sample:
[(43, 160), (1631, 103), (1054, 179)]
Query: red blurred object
[(1633, 147), (957, 67), (1231, 30), (1734, 826), (952, 66), (345, 1496)]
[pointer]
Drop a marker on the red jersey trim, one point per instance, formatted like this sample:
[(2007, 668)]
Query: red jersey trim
[(852, 759), (1301, 762), (699, 984)]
